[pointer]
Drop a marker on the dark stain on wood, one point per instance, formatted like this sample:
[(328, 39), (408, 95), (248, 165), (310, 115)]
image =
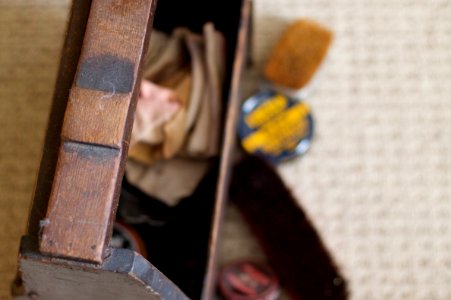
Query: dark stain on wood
[(95, 153), (124, 274), (70, 213), (95, 132), (107, 73), (80, 201)]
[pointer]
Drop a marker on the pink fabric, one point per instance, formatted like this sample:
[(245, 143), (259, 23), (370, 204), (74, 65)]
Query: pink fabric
[(156, 106)]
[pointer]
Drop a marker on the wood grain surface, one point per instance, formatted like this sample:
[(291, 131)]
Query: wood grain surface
[(229, 148), (96, 130), (123, 275)]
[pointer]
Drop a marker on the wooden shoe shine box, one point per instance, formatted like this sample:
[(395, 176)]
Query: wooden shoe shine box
[(65, 253)]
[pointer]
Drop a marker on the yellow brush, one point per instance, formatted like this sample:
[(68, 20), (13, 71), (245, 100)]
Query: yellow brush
[(298, 54)]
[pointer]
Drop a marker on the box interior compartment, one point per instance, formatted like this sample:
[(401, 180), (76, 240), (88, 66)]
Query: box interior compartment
[(177, 238)]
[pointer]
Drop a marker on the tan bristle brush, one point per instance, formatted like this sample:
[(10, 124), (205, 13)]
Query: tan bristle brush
[(298, 54)]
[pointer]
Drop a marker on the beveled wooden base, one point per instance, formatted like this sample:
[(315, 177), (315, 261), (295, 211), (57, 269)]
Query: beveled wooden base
[(124, 274)]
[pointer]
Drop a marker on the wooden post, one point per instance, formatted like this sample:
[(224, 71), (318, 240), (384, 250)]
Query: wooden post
[(96, 126)]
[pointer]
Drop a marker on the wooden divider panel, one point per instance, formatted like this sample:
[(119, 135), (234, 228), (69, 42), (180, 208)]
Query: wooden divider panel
[(96, 130)]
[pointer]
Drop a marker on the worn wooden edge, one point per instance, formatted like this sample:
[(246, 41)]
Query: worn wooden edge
[(229, 146), (127, 263), (70, 54), (96, 148)]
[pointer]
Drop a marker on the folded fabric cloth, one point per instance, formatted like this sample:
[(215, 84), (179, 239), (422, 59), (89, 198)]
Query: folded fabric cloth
[(174, 130), (167, 58), (194, 45), (168, 180), (157, 44), (165, 65), (197, 145), (193, 66), (155, 107), (178, 113), (216, 68), (204, 139)]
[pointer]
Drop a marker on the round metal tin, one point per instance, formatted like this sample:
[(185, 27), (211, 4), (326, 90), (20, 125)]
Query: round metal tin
[(124, 236), (275, 126), (248, 281)]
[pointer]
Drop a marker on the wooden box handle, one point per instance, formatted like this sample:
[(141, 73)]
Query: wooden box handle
[(96, 130)]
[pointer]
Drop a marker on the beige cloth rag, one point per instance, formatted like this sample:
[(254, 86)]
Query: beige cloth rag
[(193, 66), (204, 140), (178, 113), (168, 180)]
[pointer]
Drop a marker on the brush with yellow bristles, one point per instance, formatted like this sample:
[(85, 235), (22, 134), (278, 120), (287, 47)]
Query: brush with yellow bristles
[(298, 54)]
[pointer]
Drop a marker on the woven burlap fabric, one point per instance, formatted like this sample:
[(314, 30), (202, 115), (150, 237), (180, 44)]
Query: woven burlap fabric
[(376, 182)]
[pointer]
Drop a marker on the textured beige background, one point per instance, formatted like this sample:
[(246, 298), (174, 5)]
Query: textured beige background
[(376, 182), (31, 33)]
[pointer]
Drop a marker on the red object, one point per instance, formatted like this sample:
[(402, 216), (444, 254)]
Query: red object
[(248, 281), (293, 247), (124, 236)]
